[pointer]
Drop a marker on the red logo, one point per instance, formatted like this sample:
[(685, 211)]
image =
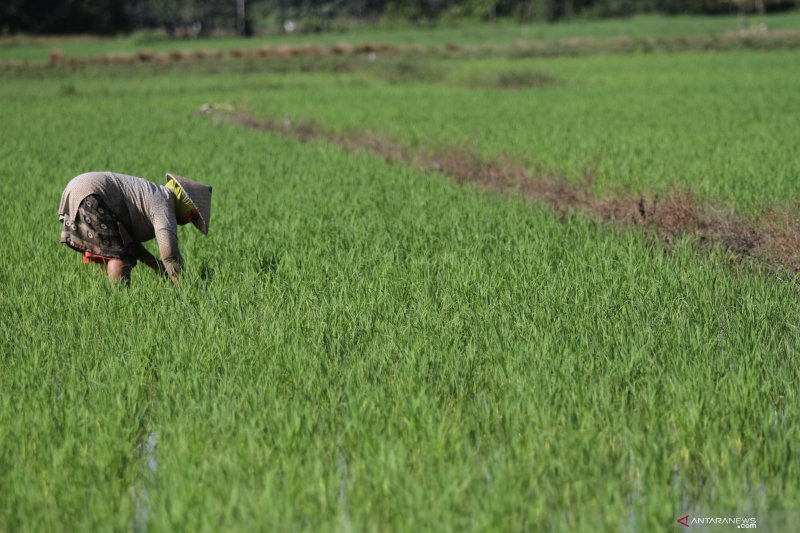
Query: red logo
[(684, 521)]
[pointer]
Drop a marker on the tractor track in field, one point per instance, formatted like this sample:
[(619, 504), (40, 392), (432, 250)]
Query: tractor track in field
[(772, 240)]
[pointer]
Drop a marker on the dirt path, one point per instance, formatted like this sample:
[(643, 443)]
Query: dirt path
[(772, 240)]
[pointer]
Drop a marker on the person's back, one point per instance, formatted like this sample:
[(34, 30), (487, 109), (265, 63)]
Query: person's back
[(142, 206), (107, 216)]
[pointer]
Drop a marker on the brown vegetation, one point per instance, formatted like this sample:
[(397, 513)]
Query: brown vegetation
[(56, 57), (342, 48), (752, 40)]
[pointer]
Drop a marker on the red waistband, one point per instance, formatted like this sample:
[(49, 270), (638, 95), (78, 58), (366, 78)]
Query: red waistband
[(89, 257)]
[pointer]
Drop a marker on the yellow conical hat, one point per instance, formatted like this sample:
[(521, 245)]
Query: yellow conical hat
[(200, 196)]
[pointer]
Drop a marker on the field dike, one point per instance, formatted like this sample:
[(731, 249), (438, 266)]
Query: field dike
[(772, 240), (758, 39)]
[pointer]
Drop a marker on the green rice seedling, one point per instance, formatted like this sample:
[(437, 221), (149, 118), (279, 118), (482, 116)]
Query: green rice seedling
[(362, 345)]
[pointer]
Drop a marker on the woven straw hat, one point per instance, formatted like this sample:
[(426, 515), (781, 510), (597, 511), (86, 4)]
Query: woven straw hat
[(200, 196)]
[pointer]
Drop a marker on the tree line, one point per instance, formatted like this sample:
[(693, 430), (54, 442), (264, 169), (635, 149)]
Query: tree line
[(199, 17)]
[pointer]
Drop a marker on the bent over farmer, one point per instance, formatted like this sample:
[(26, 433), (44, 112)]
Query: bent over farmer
[(107, 216)]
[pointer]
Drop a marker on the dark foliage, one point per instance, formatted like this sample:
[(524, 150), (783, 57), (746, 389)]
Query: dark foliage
[(195, 17)]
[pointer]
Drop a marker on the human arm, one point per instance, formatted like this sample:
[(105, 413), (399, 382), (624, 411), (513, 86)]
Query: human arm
[(165, 230), (157, 266), (171, 260)]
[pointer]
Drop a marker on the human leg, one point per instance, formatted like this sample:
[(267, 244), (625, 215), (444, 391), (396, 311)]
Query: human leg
[(119, 270), (96, 233)]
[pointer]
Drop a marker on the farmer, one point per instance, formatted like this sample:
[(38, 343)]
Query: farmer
[(107, 216)]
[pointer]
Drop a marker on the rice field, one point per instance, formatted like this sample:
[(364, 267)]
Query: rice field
[(366, 345)]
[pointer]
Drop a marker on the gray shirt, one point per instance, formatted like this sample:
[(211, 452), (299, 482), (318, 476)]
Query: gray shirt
[(145, 210)]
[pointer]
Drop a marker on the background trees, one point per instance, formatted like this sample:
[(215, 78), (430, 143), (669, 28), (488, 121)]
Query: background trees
[(194, 17)]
